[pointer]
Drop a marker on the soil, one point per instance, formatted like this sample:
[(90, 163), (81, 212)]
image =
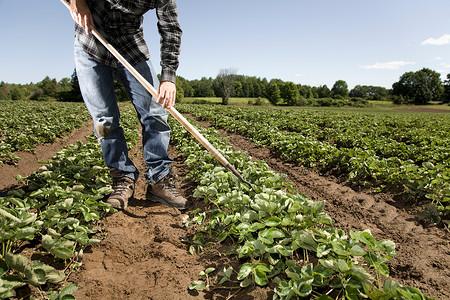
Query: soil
[(30, 162), (144, 255)]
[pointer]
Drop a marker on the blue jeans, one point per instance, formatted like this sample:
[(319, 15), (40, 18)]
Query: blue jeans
[(96, 84)]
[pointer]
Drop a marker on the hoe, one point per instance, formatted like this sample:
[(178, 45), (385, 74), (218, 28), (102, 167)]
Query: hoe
[(171, 110)]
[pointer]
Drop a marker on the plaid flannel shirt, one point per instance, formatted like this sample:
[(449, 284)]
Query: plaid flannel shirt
[(119, 22)]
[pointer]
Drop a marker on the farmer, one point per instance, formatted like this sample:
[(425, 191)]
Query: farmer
[(119, 22)]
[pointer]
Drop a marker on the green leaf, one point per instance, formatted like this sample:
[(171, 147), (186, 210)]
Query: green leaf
[(105, 190), (26, 233), (228, 272), (293, 273), (53, 233), (356, 250), (51, 274), (329, 263), (410, 293), (324, 297), (428, 165), (27, 219), (226, 277), (272, 221), (322, 250), (3, 267), (305, 241), (198, 285), (256, 226), (60, 248), (390, 287), (360, 272), (260, 276), (222, 236), (316, 207), (22, 265), (383, 269), (287, 222), (246, 282), (68, 290), (342, 266), (245, 270), (5, 293), (364, 237), (9, 216), (11, 284), (268, 235), (388, 246), (304, 289)]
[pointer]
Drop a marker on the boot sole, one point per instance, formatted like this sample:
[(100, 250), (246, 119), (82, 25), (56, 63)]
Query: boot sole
[(155, 198), (125, 203)]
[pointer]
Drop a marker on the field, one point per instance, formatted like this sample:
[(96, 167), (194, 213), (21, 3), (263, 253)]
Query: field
[(347, 203)]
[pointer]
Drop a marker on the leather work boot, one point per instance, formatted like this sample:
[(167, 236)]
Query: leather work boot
[(123, 190), (164, 191)]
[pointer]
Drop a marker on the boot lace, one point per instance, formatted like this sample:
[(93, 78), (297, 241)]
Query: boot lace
[(120, 185), (170, 185)]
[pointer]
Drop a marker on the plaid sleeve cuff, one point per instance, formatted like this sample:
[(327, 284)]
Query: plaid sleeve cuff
[(168, 75)]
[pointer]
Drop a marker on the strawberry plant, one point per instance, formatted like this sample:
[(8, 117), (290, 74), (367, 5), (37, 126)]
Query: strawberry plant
[(279, 236), (57, 211), (26, 124), (409, 151)]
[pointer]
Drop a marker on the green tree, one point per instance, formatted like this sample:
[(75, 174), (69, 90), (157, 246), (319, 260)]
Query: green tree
[(4, 90), (290, 93), (18, 92), (76, 92), (358, 91), (264, 84), (305, 91), (419, 87), (238, 91), (120, 91), (49, 88), (323, 91), (273, 93), (339, 89), (187, 87), (72, 92), (203, 87), (64, 84), (447, 89), (369, 92), (180, 91)]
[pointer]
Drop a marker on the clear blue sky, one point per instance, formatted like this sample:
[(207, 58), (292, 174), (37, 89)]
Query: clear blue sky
[(308, 42)]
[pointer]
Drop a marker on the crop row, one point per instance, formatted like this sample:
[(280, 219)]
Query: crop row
[(279, 238), (26, 124), (55, 214), (417, 137), (373, 149)]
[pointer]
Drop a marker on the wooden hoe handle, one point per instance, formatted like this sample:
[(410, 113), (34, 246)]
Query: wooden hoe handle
[(171, 110)]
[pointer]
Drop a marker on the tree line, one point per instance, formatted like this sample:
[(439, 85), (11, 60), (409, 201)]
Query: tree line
[(412, 88)]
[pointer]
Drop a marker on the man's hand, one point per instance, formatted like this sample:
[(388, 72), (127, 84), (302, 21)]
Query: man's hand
[(82, 14), (167, 93)]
